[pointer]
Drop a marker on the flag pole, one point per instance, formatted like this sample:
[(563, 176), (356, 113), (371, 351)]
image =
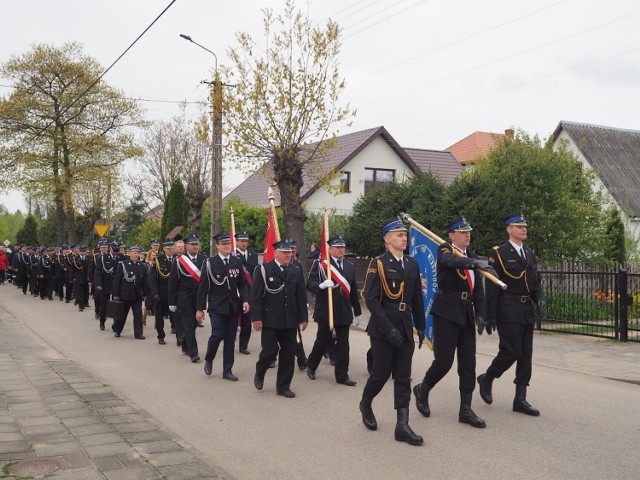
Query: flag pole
[(272, 207), (405, 217), (328, 260), (232, 231)]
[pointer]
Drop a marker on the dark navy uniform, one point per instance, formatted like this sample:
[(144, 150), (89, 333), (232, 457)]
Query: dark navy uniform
[(105, 270), (182, 294), (59, 263), (130, 285), (79, 266), (458, 305), (45, 272), (159, 276), (279, 301), (223, 288), (345, 305), (514, 313)]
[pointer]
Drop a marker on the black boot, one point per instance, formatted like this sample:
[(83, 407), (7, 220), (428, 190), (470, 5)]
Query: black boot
[(368, 418), (520, 403), (403, 431), (485, 382), (421, 391), (467, 415)]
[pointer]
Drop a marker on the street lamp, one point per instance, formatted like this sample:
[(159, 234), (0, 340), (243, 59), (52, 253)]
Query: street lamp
[(216, 154)]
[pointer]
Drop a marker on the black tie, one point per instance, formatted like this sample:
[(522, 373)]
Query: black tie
[(226, 262), (340, 264), (522, 253)]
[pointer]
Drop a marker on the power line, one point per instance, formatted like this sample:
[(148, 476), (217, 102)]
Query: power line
[(461, 40), (508, 57), (66, 109), (383, 19)]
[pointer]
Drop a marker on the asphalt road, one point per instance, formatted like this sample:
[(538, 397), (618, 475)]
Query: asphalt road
[(589, 427)]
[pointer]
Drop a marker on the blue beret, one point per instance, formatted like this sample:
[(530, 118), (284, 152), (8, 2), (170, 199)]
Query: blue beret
[(282, 245), (192, 239), (103, 243), (114, 246), (337, 242), (515, 219), (292, 242), (222, 237), (74, 245), (155, 242), (135, 248), (460, 224), (393, 226), (83, 249), (242, 236), (169, 244)]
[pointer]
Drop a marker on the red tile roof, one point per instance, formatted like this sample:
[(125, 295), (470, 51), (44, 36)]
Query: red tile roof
[(475, 145)]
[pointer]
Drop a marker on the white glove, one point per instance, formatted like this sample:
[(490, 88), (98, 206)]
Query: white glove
[(357, 320), (173, 308), (326, 284)]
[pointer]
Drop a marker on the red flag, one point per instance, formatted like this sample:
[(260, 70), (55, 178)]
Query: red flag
[(270, 239), (323, 243)]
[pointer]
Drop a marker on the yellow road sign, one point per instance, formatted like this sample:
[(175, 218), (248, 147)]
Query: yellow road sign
[(7, 242), (101, 229)]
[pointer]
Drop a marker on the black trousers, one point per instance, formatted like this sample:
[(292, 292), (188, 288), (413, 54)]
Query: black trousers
[(59, 286), (187, 318), (136, 309), (33, 284), (388, 361), (223, 328), (324, 339), (272, 340), (81, 294), (23, 281), (516, 346), (69, 290), (45, 287), (245, 331), (161, 310), (105, 296), (449, 338), (97, 298)]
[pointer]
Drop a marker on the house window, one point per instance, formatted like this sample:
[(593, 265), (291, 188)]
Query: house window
[(377, 177), (345, 182)]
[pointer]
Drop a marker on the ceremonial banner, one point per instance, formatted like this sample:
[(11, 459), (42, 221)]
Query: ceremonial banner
[(425, 251), (270, 239)]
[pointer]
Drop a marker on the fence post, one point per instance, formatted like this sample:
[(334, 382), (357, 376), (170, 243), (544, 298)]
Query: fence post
[(624, 304)]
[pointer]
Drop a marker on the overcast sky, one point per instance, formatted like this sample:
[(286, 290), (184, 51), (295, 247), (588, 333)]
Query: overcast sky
[(431, 71)]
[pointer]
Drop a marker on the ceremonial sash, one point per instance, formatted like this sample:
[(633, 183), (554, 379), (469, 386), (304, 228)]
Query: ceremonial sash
[(337, 277), (247, 275), (190, 267)]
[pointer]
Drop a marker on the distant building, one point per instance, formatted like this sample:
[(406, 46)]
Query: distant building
[(364, 160), (614, 154), (476, 145)]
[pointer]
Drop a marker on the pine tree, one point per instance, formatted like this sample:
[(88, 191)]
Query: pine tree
[(28, 234), (176, 210)]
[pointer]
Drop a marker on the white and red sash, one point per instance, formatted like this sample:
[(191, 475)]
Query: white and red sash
[(337, 277), (190, 267)]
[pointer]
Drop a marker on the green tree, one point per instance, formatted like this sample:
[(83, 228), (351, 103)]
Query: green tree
[(133, 218), (61, 126), (28, 234), (143, 234), (12, 222), (338, 225), (549, 187), (176, 210), (248, 218), (615, 249), (283, 100), (422, 197)]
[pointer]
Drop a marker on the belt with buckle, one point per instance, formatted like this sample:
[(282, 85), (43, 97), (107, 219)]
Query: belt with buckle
[(520, 298), (400, 306), (460, 295)]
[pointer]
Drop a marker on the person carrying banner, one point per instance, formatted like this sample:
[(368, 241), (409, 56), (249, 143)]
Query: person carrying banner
[(278, 306), (249, 263), (513, 312), (393, 295), (183, 285), (346, 304), (459, 307), (223, 287)]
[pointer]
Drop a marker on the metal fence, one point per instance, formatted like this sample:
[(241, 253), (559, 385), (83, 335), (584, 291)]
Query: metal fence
[(590, 301)]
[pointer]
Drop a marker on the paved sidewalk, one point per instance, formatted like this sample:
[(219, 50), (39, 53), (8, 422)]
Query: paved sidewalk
[(55, 417)]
